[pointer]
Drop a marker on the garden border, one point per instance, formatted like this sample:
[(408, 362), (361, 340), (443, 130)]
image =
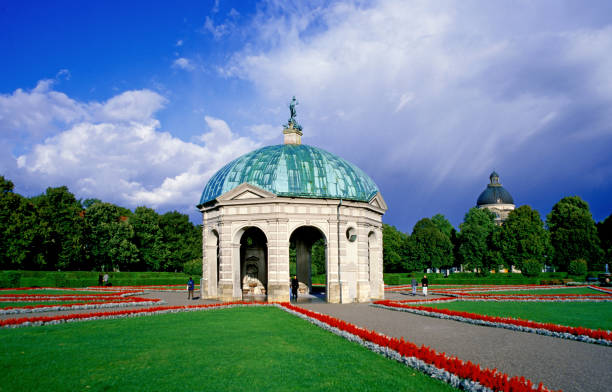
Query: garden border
[(457, 373)]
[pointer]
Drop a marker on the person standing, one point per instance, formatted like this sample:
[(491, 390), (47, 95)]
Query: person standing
[(424, 283), (105, 280), (414, 286), (190, 286), (294, 287)]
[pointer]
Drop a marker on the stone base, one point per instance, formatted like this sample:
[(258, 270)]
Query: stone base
[(378, 291), (333, 293), (363, 292), (226, 292), (204, 289), (278, 292)]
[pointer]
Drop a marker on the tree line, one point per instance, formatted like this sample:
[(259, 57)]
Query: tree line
[(55, 231), (569, 240)]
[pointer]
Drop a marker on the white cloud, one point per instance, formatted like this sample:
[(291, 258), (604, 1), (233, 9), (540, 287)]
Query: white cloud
[(179, 42), (445, 91), (183, 63), (35, 113), (220, 30), (265, 131), (115, 150)]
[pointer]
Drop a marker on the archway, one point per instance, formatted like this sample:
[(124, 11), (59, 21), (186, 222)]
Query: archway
[(308, 258), (253, 264)]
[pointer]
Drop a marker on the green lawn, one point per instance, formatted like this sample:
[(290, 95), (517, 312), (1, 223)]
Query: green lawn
[(568, 290), (578, 314), (255, 349)]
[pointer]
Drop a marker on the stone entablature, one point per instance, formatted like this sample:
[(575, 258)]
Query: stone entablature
[(227, 218)]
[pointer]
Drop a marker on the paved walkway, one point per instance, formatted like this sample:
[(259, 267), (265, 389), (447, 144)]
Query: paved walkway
[(558, 363)]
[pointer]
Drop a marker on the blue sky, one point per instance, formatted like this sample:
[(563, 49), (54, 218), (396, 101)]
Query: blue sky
[(139, 103)]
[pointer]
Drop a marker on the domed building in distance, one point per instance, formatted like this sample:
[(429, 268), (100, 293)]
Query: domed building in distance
[(496, 199), (257, 205)]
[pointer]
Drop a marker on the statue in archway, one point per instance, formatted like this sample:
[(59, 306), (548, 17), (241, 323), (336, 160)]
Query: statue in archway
[(251, 285)]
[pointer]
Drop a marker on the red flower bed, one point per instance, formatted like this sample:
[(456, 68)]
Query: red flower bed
[(467, 370), (116, 313), (577, 331), (489, 378), (76, 304)]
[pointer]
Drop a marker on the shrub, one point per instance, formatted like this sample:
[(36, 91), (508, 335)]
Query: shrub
[(392, 280), (531, 267), (10, 279), (193, 267), (577, 267)]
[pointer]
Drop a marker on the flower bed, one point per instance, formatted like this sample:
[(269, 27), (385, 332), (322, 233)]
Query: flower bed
[(452, 370), (115, 303), (82, 301), (588, 335)]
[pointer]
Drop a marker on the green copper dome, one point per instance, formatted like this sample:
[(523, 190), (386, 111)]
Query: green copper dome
[(293, 170)]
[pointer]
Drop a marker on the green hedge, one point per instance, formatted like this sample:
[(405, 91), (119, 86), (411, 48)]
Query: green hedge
[(88, 278), (468, 278)]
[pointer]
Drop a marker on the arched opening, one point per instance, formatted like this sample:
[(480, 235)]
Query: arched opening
[(308, 260), (254, 264), (212, 266)]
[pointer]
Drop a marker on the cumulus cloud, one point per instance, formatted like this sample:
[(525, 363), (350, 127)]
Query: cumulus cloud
[(183, 63), (115, 150), (439, 92)]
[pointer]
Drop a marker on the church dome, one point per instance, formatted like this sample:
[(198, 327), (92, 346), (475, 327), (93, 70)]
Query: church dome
[(495, 193), (293, 170)]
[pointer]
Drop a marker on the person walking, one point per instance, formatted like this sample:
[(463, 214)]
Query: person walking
[(190, 286), (424, 283), (294, 287), (414, 286)]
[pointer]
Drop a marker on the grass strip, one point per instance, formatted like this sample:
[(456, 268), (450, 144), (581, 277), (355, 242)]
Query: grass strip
[(594, 315)]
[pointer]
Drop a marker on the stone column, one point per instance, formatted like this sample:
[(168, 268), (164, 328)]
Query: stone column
[(278, 259), (363, 281)]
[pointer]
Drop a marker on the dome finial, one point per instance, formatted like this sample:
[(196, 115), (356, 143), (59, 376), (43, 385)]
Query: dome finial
[(293, 130), (494, 178)]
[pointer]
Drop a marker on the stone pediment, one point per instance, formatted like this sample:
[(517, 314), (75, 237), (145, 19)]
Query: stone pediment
[(378, 202), (246, 191)]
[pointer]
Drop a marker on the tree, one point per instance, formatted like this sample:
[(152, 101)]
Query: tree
[(183, 240), (523, 237), (573, 234), (475, 239), (148, 238), (443, 224), (430, 245), (21, 234), (110, 237), (318, 257), (61, 214), (604, 231), (394, 245)]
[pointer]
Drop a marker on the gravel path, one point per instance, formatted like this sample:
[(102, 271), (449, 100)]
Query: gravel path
[(558, 363)]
